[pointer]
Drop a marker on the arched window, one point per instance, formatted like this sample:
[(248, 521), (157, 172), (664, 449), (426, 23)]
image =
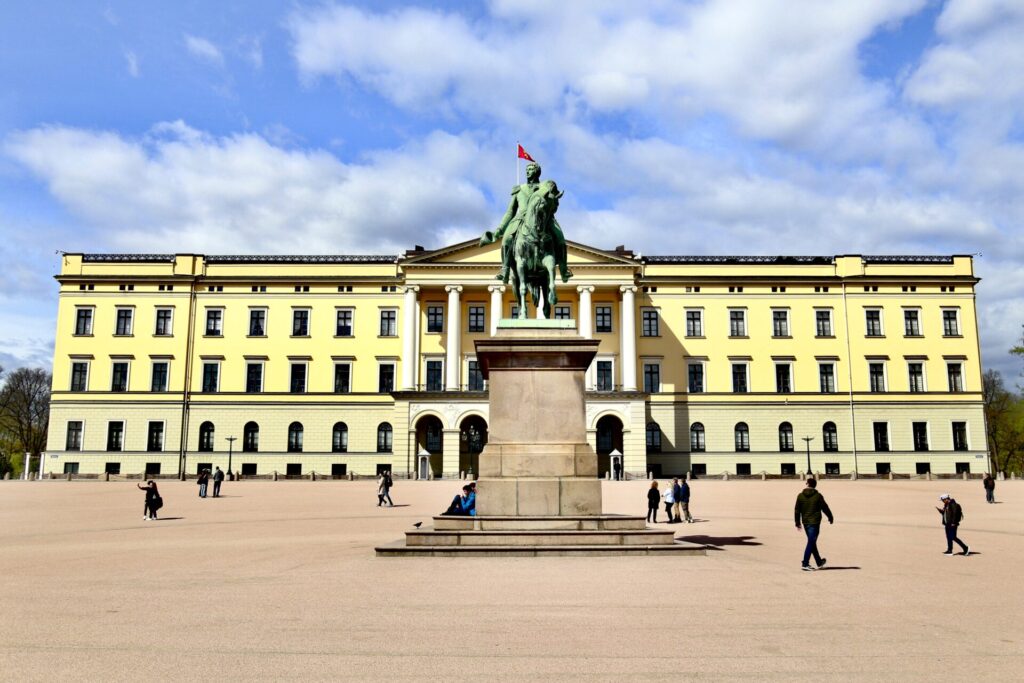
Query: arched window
[(696, 438), (339, 438), (295, 437), (785, 437), (742, 437), (384, 438), (251, 437), (829, 437), (206, 437), (653, 437)]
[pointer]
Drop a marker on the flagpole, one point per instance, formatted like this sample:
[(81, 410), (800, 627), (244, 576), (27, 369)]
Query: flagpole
[(517, 163)]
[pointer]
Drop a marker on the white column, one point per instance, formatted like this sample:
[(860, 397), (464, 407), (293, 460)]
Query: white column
[(451, 369), (628, 338), (496, 302), (409, 333), (586, 312)]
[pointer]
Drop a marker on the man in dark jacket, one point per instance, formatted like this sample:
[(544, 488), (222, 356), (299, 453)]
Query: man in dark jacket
[(684, 500), (990, 488), (218, 479), (809, 507), (952, 514)]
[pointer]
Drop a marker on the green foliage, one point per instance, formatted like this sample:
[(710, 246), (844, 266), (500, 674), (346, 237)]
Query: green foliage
[(1004, 423)]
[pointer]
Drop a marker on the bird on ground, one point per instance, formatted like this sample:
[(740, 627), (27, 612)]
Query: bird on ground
[(418, 524)]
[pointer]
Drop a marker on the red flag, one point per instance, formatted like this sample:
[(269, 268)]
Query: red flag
[(523, 154)]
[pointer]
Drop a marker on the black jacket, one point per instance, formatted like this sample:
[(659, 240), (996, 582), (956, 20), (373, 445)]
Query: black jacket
[(809, 507), (952, 514), (653, 498)]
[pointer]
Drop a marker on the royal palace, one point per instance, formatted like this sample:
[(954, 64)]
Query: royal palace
[(165, 364)]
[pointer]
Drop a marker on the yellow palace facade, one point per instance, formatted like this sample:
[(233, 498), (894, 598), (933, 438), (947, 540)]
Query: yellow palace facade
[(353, 364)]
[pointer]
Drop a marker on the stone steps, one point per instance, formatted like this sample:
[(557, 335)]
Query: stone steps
[(400, 549), (542, 523), (519, 537)]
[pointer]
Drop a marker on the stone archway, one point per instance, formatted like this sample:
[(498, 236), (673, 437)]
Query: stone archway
[(430, 438), (472, 439), (609, 438)]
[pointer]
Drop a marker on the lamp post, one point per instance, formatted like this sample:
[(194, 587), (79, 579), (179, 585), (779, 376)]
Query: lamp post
[(231, 445), (807, 440)]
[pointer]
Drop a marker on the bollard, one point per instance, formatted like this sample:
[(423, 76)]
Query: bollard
[(351, 476), (7, 476), (928, 475), (69, 476), (764, 475), (890, 475), (106, 476), (725, 476), (312, 475), (965, 477), (650, 475), (275, 475)]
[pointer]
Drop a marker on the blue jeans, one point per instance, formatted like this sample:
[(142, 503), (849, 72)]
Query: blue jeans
[(990, 495), (951, 536), (202, 490), (812, 544)]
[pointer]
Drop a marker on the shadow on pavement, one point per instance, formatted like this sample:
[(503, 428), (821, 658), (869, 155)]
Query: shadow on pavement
[(716, 542), (831, 569)]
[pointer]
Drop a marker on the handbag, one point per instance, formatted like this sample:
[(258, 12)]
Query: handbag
[(157, 503)]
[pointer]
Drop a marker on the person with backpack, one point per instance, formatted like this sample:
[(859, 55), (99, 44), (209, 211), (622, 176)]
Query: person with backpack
[(952, 515), (989, 483)]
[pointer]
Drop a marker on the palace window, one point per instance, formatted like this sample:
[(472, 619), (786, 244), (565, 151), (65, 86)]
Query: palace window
[(603, 318), (785, 437), (297, 380), (159, 376), (827, 377), (164, 320), (695, 323), (339, 438), (650, 326), (123, 326), (881, 434), (823, 323), (214, 322), (474, 376), (954, 374), (384, 438), (386, 378), (604, 375), (653, 437), (742, 437), (79, 376), (912, 322), (780, 323), (740, 380), (343, 322), (206, 432), (257, 322), (342, 378), (115, 436), (652, 378), (434, 375), (477, 322), (873, 322), (920, 431), (83, 321), (915, 372), (737, 323), (300, 322), (876, 377), (211, 377), (74, 437), (563, 313), (251, 437), (697, 438), (155, 437), (435, 318), (695, 377), (959, 436), (783, 378), (389, 323), (950, 322), (253, 378), (119, 377), (830, 437), (295, 433)]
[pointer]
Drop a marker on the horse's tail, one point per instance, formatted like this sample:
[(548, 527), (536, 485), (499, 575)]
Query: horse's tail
[(535, 293)]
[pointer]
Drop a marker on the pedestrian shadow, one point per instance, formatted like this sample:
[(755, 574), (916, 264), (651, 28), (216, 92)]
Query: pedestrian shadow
[(833, 569), (169, 519), (716, 542), (396, 505)]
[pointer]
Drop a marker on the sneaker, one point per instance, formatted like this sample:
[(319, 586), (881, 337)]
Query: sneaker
[(948, 552), (822, 563), (145, 519), (807, 568), (968, 551)]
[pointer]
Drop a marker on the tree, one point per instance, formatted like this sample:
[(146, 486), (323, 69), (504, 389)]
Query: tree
[(25, 408), (1003, 422)]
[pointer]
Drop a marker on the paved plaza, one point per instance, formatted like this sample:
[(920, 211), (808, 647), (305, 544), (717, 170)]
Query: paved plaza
[(278, 580)]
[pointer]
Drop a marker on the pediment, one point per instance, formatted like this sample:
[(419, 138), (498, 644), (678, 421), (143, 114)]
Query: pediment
[(470, 253)]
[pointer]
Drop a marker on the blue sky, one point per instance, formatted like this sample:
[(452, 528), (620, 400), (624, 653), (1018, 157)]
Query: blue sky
[(724, 126)]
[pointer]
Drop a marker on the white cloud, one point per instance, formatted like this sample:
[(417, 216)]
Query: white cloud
[(181, 189), (132, 63), (203, 49)]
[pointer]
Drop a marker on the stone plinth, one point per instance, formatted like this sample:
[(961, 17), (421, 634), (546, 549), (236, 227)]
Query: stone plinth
[(538, 491)]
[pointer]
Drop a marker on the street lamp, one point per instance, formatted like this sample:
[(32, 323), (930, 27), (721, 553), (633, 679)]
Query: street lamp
[(807, 440), (231, 444)]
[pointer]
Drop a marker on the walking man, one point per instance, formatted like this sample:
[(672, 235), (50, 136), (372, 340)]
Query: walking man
[(990, 488), (218, 477), (952, 515), (809, 507), (684, 500)]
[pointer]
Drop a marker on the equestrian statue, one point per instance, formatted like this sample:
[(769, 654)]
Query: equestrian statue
[(532, 243)]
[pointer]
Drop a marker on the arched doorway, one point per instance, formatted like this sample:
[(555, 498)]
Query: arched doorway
[(609, 438), (430, 439), (472, 439)]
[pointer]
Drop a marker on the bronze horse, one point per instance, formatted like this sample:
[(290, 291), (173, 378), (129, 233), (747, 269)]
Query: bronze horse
[(533, 258)]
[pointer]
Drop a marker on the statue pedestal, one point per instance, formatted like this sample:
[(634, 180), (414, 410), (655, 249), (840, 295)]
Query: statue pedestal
[(538, 491)]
